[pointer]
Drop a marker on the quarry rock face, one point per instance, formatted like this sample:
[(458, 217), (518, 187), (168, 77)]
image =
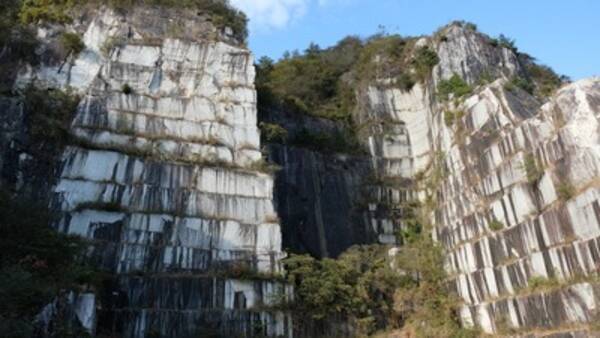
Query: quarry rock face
[(162, 176), (516, 208), (318, 194), (549, 224)]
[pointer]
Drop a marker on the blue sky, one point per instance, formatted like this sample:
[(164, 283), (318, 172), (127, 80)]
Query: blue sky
[(562, 34)]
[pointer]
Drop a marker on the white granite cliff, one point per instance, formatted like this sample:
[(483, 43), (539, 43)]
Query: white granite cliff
[(546, 233), (163, 178)]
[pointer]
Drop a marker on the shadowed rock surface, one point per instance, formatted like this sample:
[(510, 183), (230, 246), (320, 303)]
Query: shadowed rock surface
[(160, 174)]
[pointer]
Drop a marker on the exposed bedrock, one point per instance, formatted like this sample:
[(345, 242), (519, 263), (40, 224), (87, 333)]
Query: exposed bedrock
[(320, 200), (516, 208), (160, 175), (163, 174)]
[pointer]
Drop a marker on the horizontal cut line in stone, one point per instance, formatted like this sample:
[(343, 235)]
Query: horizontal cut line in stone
[(258, 310), (218, 120), (267, 221), (532, 293), (182, 66), (496, 234), (525, 259), (179, 219), (151, 150), (153, 138), (213, 142), (222, 121), (234, 171), (260, 277), (119, 93), (191, 169), (251, 254), (117, 63), (169, 189), (214, 99), (137, 153)]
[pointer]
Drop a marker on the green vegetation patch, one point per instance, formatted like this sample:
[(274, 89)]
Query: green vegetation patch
[(36, 265), (339, 141), (311, 83), (126, 89), (504, 42), (359, 285), (377, 292), (58, 11), (273, 133), (72, 43), (455, 86), (533, 171), (545, 79), (538, 283), (496, 225), (323, 82), (451, 116), (49, 114), (424, 61), (521, 83), (565, 191)]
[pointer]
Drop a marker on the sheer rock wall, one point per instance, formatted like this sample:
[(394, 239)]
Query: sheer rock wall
[(162, 174), (521, 252)]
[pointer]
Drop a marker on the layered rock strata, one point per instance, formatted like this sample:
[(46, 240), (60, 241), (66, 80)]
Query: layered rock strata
[(515, 203), (162, 175)]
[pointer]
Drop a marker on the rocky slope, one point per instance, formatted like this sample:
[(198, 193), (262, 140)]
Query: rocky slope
[(508, 178), (512, 185), (162, 174)]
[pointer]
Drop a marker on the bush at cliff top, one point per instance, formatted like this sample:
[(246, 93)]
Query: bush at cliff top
[(311, 83), (72, 43), (424, 61), (222, 13)]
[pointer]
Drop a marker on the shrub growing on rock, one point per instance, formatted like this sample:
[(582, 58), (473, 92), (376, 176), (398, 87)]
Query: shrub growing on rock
[(405, 82), (545, 79), (49, 114), (359, 285), (126, 89), (565, 191), (221, 12), (273, 133), (496, 225), (532, 170), (455, 86), (451, 116), (519, 82), (72, 43), (36, 265), (424, 61)]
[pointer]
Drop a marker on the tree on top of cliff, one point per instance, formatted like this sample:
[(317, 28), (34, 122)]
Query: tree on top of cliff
[(221, 12)]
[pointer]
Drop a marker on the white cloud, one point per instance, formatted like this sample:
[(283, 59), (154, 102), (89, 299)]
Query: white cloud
[(324, 3), (269, 14)]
